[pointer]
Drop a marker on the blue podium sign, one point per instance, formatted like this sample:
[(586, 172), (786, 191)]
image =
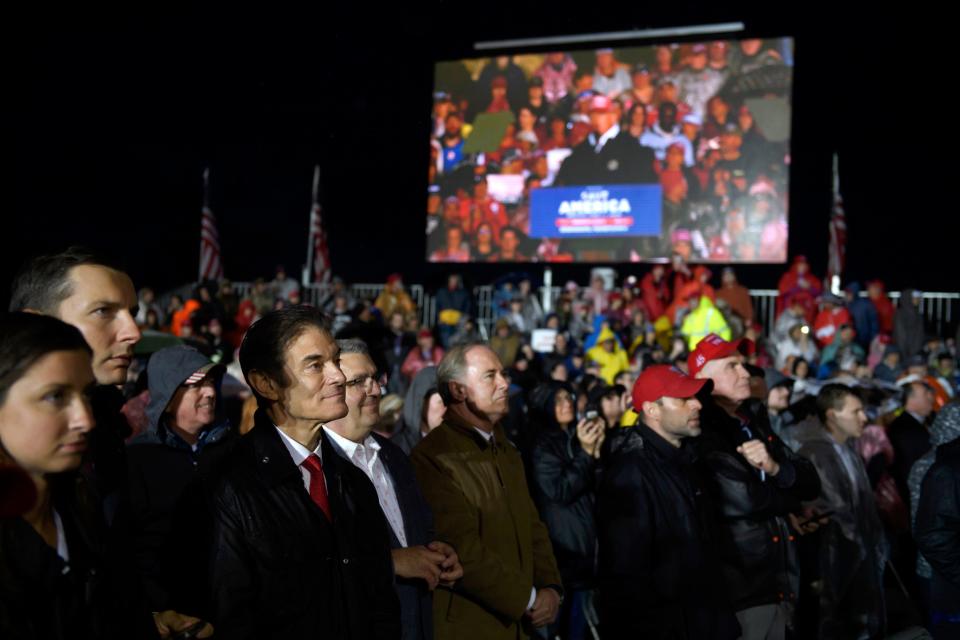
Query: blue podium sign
[(596, 211)]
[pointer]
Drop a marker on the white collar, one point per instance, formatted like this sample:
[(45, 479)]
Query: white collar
[(487, 435), (298, 452), (349, 446), (611, 133)]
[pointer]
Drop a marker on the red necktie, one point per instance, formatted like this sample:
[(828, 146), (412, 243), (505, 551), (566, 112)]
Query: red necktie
[(318, 485)]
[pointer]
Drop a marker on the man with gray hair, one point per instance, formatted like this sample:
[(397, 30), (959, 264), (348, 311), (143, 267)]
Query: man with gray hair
[(470, 475), (419, 560)]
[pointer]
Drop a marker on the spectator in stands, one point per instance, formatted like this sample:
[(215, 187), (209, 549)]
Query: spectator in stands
[(877, 293), (666, 133), (453, 304), (702, 320), (610, 77), (736, 295), (866, 321), (609, 354), (283, 285), (908, 326), (423, 410), (832, 316), (425, 354), (796, 344), (557, 73), (393, 297)]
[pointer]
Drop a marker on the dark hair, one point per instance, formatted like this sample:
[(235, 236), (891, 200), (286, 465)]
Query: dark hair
[(27, 337), (44, 282), (266, 341), (354, 345), (832, 396)]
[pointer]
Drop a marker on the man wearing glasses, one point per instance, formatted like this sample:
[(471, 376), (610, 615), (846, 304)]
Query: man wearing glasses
[(420, 562)]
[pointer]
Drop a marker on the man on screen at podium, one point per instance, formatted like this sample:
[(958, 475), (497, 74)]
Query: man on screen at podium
[(608, 155)]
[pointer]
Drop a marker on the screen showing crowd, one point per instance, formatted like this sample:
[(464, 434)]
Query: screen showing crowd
[(613, 155)]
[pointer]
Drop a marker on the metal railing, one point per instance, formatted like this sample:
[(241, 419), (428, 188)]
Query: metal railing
[(939, 309)]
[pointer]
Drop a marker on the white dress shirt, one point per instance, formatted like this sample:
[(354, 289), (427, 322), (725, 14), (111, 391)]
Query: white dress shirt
[(366, 457), (299, 453)]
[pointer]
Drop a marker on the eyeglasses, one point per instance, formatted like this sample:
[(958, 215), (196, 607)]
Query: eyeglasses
[(368, 382)]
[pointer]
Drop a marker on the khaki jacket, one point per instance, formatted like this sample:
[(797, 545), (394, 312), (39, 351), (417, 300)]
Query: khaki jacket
[(481, 505)]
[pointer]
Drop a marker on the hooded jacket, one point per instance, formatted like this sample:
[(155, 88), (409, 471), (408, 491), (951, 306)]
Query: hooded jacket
[(864, 314), (409, 435), (562, 485), (161, 464), (611, 362), (851, 601), (945, 428), (702, 321)]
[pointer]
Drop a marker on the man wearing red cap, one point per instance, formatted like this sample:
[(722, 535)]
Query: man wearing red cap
[(656, 574), (755, 482), (609, 155)]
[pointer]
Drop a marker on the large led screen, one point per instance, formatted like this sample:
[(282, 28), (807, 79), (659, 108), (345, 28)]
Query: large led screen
[(626, 154)]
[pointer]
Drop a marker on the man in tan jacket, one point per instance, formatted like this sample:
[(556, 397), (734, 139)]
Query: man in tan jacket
[(474, 480)]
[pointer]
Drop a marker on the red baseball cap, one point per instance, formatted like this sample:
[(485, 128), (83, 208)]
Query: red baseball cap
[(713, 347), (601, 103), (661, 380)]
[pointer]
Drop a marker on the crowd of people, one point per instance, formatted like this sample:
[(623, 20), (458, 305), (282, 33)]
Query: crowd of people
[(644, 460), (708, 122)]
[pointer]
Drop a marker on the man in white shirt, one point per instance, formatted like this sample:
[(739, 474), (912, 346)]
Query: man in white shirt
[(420, 561)]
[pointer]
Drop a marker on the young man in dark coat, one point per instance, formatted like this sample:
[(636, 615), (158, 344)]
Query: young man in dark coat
[(755, 483), (300, 546), (658, 575), (421, 562)]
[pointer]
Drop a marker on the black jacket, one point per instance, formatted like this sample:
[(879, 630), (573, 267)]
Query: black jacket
[(279, 568), (937, 528), (756, 547), (95, 596), (620, 161), (416, 600), (658, 575), (563, 483), (910, 440)]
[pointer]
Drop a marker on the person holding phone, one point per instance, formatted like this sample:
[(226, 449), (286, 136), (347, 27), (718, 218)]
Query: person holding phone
[(564, 464), (658, 577)]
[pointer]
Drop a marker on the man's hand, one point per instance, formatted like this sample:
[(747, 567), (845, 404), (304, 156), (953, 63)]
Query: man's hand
[(450, 569), (170, 622), (757, 455), (545, 607), (418, 562), (807, 522)]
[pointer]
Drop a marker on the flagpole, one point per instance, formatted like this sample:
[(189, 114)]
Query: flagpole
[(307, 276), (835, 248), (206, 205)]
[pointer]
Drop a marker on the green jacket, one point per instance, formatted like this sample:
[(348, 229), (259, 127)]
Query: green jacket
[(481, 505), (703, 321)]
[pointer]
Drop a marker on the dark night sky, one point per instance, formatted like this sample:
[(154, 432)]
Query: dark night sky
[(113, 118)]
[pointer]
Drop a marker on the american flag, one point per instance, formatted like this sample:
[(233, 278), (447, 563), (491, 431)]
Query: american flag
[(317, 253), (838, 229), (210, 266)]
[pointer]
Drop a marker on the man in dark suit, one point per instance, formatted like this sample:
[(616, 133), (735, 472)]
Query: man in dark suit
[(300, 546), (608, 155), (909, 433), (420, 561)]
